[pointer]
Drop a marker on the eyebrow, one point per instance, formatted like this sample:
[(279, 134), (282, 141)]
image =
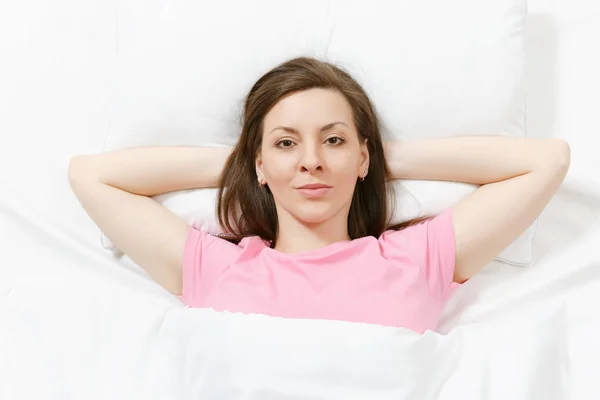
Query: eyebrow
[(323, 129)]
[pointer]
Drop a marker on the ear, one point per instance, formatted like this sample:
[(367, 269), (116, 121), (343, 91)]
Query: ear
[(258, 165), (364, 156)]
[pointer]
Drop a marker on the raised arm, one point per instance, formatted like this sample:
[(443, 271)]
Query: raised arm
[(114, 190), (519, 177)]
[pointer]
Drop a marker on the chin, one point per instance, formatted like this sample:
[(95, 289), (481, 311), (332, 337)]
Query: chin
[(314, 213)]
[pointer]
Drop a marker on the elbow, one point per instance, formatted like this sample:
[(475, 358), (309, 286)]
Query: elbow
[(558, 155), (79, 168), (75, 168), (563, 153)]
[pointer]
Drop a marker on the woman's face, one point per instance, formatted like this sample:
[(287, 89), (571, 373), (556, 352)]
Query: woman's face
[(309, 137)]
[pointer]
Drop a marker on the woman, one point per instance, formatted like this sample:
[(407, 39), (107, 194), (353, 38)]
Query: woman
[(304, 198)]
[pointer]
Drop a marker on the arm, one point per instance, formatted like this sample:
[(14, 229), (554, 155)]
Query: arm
[(113, 188), (519, 177)]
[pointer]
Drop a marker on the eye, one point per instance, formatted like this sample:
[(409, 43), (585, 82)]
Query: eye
[(335, 140), (284, 143)]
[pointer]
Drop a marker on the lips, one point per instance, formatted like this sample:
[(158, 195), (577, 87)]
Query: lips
[(314, 190), (314, 186)]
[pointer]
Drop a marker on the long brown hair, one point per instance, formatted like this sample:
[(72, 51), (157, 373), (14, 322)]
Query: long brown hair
[(245, 209)]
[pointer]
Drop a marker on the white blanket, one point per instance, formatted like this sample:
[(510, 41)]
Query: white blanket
[(75, 324)]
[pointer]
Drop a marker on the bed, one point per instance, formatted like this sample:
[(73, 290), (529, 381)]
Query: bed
[(77, 323)]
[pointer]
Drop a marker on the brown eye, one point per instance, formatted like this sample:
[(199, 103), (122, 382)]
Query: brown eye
[(335, 140), (285, 143)]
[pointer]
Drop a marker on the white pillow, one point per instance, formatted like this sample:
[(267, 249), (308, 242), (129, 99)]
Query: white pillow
[(433, 69)]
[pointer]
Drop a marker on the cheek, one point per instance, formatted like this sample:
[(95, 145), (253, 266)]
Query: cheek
[(346, 176), (279, 167), (344, 165)]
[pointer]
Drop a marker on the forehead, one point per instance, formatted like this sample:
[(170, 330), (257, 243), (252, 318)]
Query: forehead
[(310, 108)]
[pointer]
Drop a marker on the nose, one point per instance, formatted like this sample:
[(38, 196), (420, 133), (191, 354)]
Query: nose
[(311, 159)]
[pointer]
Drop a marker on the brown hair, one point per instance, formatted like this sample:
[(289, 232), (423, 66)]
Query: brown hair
[(246, 209)]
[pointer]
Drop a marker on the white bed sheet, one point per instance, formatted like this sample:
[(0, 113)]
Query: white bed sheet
[(76, 324)]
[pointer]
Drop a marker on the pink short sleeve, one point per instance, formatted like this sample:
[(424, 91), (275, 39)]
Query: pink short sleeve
[(432, 246), (205, 258)]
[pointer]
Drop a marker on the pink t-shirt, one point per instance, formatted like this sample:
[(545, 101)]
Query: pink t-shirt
[(404, 278)]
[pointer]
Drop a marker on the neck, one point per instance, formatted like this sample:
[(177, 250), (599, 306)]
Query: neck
[(295, 236)]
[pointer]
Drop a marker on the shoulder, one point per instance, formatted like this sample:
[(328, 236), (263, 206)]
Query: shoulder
[(431, 245), (439, 221), (420, 237), (219, 241)]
